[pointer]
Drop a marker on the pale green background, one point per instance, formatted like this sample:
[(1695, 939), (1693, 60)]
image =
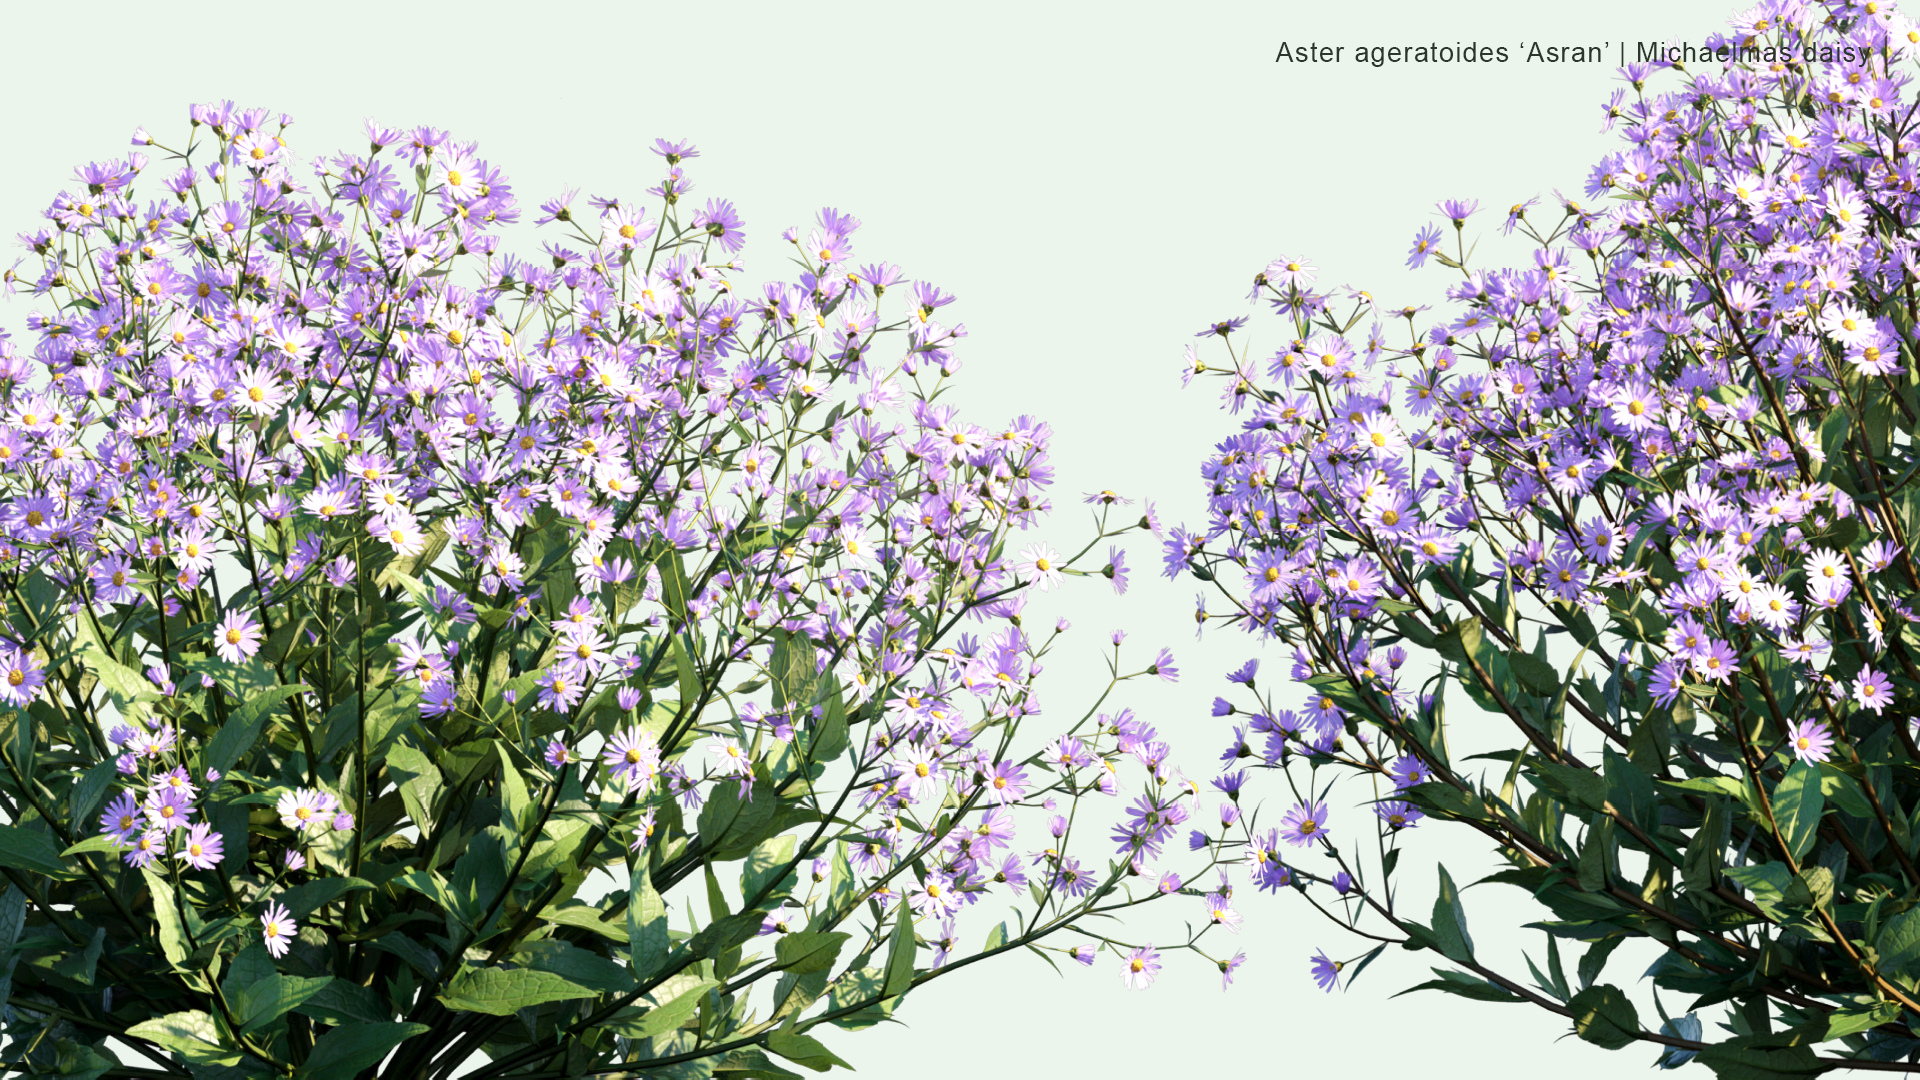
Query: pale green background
[(1095, 182)]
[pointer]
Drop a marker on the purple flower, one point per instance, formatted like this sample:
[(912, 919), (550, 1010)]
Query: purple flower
[(305, 809), (1810, 741), (633, 758), (23, 676), (167, 809), (1229, 966), (1163, 666), (202, 847), (1326, 973), (122, 818), (1304, 824), (1872, 690), (144, 847), (1397, 814)]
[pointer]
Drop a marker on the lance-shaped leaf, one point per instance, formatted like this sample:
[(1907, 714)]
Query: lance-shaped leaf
[(1450, 922), (1797, 805)]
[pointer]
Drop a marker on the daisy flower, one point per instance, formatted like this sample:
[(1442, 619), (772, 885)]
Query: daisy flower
[(1810, 741), (633, 757), (1142, 964), (1039, 565), (202, 848), (277, 928), (236, 637), (305, 808)]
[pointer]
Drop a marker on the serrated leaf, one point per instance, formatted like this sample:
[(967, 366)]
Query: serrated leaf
[(193, 1035), (303, 900), (345, 1051), (575, 964), (499, 992), (806, 950), (341, 1002), (803, 1050), (243, 727), (588, 917), (267, 1000), (1761, 1063), (33, 851), (769, 858), (664, 1018), (1602, 1015)]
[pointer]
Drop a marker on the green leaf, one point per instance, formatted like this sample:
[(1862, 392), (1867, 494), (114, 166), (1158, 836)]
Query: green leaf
[(342, 1002), (1535, 674), (1602, 1015), (803, 1050), (192, 1035), (517, 808), (831, 738), (499, 992), (1844, 1022), (1461, 984), (664, 1018), (687, 670), (807, 950), (345, 1051), (34, 852), (769, 858), (1797, 805), (122, 682), (101, 842), (1761, 1063), (79, 966), (900, 955), (166, 912), (242, 728), (1450, 922), (853, 988), (304, 900), (271, 998), (729, 825), (84, 799), (1595, 960), (1899, 944), (588, 917), (792, 673), (577, 965)]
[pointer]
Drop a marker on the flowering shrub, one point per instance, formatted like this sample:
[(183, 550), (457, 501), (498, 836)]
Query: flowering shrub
[(1648, 499), (559, 669)]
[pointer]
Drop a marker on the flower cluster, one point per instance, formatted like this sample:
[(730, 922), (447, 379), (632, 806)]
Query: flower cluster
[(1646, 496), (458, 573)]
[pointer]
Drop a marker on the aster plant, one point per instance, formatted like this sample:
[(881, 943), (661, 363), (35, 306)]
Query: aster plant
[(419, 659), (1646, 501)]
